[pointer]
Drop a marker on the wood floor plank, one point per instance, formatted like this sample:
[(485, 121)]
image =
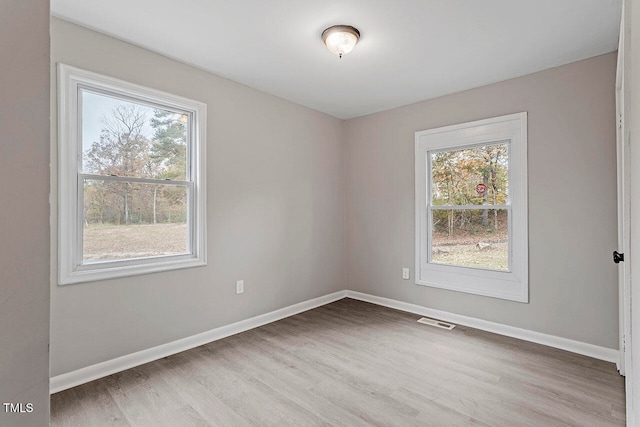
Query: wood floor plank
[(352, 363), (90, 404), (251, 398), (182, 374), (293, 383), (143, 396)]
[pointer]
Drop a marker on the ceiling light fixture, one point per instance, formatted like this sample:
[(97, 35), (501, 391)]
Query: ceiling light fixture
[(340, 39)]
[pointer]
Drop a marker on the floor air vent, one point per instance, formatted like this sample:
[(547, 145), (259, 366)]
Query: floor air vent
[(436, 323)]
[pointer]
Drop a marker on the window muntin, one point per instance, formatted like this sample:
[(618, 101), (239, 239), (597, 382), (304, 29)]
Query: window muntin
[(131, 179), (466, 240)]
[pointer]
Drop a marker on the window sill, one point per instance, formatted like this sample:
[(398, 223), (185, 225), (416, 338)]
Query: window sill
[(105, 271), (519, 296)]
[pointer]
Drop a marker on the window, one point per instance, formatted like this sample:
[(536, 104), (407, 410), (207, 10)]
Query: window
[(471, 207), (131, 179)]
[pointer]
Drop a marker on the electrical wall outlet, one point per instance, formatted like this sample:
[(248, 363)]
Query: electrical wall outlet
[(239, 286), (405, 273)]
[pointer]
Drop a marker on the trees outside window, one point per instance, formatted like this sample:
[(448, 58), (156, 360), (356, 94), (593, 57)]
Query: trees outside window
[(469, 207)]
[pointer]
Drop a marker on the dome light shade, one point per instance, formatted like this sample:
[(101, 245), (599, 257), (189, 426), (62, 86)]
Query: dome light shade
[(340, 39)]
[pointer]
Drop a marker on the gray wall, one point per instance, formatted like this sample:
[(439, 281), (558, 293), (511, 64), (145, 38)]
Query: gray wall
[(24, 217), (275, 214), (572, 200)]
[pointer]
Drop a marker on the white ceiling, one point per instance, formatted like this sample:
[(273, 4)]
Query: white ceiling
[(410, 50)]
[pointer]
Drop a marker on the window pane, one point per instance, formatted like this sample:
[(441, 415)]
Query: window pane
[(124, 138), (471, 238), (127, 220), (470, 176)]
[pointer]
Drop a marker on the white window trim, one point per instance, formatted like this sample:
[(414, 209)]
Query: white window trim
[(69, 156), (514, 284)]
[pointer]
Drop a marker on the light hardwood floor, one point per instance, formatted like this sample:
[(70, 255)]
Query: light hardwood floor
[(352, 363)]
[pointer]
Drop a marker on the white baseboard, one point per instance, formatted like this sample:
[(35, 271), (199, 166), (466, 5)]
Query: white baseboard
[(99, 370), (597, 352)]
